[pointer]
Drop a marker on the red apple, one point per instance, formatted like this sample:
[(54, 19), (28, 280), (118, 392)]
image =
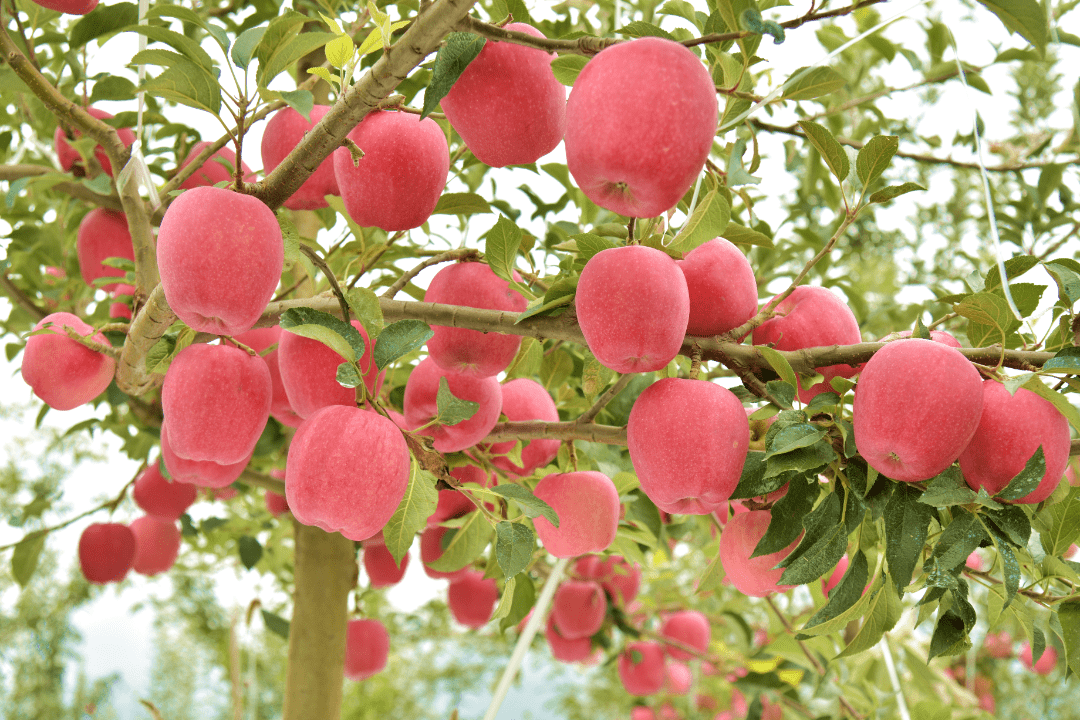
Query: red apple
[(276, 504), (259, 340), (160, 497), (397, 183), (680, 678), (380, 566), (70, 7), (203, 473), (758, 576), (216, 401), (811, 316), (999, 645), (723, 290), (421, 391), (347, 471), (587, 504), (309, 372), (103, 234), (106, 551), (472, 598), (283, 133), (220, 256), (642, 668), (121, 310), (917, 406), (827, 584), (619, 578), (690, 628), (62, 372), (213, 171), (564, 649), (1011, 428), (1046, 662), (526, 399), (507, 105), (579, 608), (65, 154), (431, 550), (940, 336), (157, 543), (367, 646), (640, 122), (454, 504), (633, 306)]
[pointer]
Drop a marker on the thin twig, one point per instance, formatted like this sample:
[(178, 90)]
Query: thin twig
[(401, 282), (589, 415)]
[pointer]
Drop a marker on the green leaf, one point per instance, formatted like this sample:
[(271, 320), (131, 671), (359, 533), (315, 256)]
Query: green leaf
[(181, 43), (1012, 522), (283, 44), (1014, 268), (822, 546), (753, 482), (589, 244), (882, 614), (466, 545), (335, 333), (185, 83), (347, 375), (399, 339), (1068, 614), (528, 360), (710, 220), (1068, 280), (831, 151), (751, 20), (461, 204), (365, 306), (506, 600), (745, 236), (250, 551), (782, 393), (950, 636), (875, 157), (801, 459), (894, 191), (556, 369), (948, 488), (907, 522), (960, 538), (454, 56), (792, 438), (513, 547), (787, 517), (778, 363), (640, 29), (567, 67), (102, 20), (815, 83), (846, 593), (1027, 479), (736, 173), (419, 502), (523, 601), (275, 623), (1025, 17), (452, 409), (712, 577), (1010, 568), (244, 48), (1067, 359), (1059, 524), (501, 245), (25, 556), (989, 316), (531, 505)]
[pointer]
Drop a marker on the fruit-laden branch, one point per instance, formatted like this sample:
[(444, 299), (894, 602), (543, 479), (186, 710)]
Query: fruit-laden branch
[(147, 327), (422, 38), (74, 189), (573, 430)]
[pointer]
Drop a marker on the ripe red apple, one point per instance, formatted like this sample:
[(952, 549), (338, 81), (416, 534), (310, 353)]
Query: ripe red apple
[(102, 234), (367, 646), (203, 473), (507, 105), (619, 578), (999, 645), (945, 338), (689, 627), (121, 309), (1011, 428), (642, 668), (1046, 662), (688, 467), (431, 550), (917, 405), (69, 156), (160, 497), (587, 504), (526, 399), (723, 290), (640, 122), (259, 340), (421, 391), (579, 608), (60, 371), (758, 576), (347, 471), (157, 543), (212, 171), (106, 551), (811, 316), (827, 584), (276, 504), (564, 649), (283, 133), (472, 598), (220, 256), (473, 284), (380, 566), (680, 678), (70, 7), (397, 183), (216, 401), (632, 306), (454, 504)]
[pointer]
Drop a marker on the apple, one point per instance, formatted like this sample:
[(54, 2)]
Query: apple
[(688, 441), (917, 406), (689, 627), (507, 106), (587, 505), (223, 494), (642, 668), (473, 284), (526, 399), (203, 473), (472, 598), (213, 171), (283, 133), (431, 549), (640, 712), (619, 578), (680, 678), (632, 306), (397, 183), (945, 338), (367, 647), (70, 7), (106, 552), (276, 504), (827, 584), (975, 562), (220, 256), (640, 122), (216, 401), (62, 372), (757, 577), (157, 543), (1011, 428), (722, 286), (102, 234), (811, 316), (1046, 662), (259, 340), (347, 471), (998, 645), (380, 566), (160, 497), (579, 608), (566, 650), (453, 504), (421, 391), (120, 310), (67, 155)]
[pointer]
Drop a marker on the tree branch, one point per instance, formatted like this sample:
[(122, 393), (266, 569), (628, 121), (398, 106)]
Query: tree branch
[(153, 320), (571, 430)]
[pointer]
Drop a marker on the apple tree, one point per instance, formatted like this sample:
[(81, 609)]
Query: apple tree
[(736, 356)]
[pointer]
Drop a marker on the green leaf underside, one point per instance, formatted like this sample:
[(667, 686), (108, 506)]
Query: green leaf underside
[(466, 545), (399, 339), (416, 506), (531, 505), (513, 547), (830, 149), (452, 409), (335, 333)]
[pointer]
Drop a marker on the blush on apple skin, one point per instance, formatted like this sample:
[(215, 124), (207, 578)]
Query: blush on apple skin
[(202, 473), (526, 399), (722, 286), (367, 647), (68, 7), (69, 156), (62, 372), (211, 172), (157, 496), (284, 132), (380, 567), (103, 234), (1046, 662), (564, 649), (646, 676), (308, 370), (579, 608), (106, 552), (157, 543), (472, 598), (420, 401), (756, 577), (689, 627), (587, 505)]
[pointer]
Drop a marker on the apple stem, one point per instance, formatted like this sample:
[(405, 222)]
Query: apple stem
[(523, 643)]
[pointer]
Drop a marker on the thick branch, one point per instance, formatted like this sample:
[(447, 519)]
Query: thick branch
[(533, 429), (74, 189), (147, 327)]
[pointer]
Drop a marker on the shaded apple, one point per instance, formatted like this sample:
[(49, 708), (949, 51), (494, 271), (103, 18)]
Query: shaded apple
[(69, 156), (308, 371), (102, 234), (219, 167), (722, 287), (619, 578), (61, 371), (203, 473), (259, 340), (1046, 662), (421, 391), (367, 647), (526, 399), (157, 543), (69, 7), (759, 576), (999, 645), (431, 549), (283, 133), (160, 497), (688, 627), (827, 584), (680, 678), (106, 552), (472, 598), (642, 668), (120, 309), (380, 566), (566, 650), (455, 504), (587, 505), (579, 608)]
